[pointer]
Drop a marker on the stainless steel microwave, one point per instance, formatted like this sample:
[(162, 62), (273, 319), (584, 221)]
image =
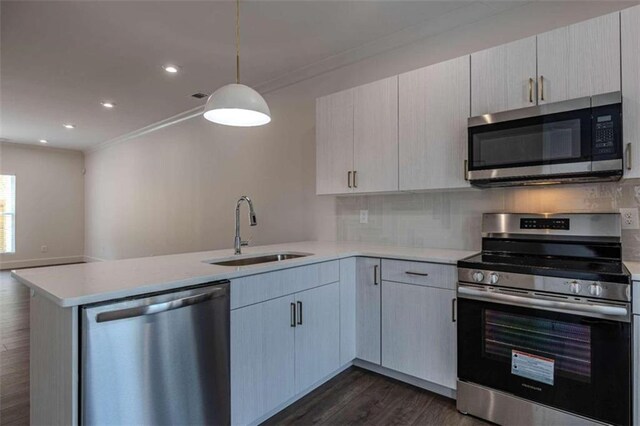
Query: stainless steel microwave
[(578, 140)]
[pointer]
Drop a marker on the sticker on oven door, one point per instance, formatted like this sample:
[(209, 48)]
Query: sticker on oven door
[(532, 367)]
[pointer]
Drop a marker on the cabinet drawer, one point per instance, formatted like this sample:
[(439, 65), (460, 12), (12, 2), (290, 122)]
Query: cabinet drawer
[(419, 273), (258, 288)]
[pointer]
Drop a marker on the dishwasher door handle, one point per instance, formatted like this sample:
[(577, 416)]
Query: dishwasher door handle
[(157, 308)]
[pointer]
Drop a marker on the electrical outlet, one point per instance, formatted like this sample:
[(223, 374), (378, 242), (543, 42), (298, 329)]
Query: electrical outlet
[(364, 216), (630, 218), (44, 249)]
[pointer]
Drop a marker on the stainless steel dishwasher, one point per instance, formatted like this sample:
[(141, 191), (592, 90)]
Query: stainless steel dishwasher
[(157, 359)]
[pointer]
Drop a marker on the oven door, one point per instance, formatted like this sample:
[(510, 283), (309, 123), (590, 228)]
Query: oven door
[(571, 361), (543, 145)]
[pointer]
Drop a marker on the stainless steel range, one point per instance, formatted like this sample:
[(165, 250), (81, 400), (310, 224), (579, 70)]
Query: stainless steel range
[(544, 322)]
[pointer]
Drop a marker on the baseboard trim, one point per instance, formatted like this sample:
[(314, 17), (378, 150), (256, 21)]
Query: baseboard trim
[(89, 259), (32, 263), (300, 395), (431, 387)]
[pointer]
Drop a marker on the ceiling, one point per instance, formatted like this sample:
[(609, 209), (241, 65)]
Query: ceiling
[(61, 58)]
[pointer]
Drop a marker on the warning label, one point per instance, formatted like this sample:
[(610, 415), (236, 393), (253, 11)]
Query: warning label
[(532, 367)]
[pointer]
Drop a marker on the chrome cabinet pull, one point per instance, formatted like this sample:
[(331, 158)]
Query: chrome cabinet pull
[(542, 88), (453, 310), (299, 312), (349, 178), (627, 154), (375, 275), (293, 314), (531, 90), (418, 274), (466, 170), (355, 182)]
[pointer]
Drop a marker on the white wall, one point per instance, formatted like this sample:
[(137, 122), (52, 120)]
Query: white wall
[(49, 204), (174, 190)]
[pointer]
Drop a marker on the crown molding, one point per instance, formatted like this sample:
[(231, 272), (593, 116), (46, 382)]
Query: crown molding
[(183, 116)]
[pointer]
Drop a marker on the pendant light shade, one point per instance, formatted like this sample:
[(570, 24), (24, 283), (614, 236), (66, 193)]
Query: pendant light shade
[(237, 105)]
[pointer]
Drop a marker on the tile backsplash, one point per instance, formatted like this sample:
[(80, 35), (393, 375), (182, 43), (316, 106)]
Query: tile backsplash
[(453, 219)]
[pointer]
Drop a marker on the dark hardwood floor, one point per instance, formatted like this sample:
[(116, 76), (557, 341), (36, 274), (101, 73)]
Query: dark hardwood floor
[(360, 397), (14, 351), (355, 397)]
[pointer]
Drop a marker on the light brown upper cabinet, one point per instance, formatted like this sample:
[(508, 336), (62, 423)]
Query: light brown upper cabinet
[(375, 123), (334, 143), (570, 62), (630, 26), (579, 60), (434, 107), (503, 77), (357, 139)]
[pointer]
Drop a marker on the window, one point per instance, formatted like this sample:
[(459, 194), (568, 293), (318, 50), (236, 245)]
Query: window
[(7, 214)]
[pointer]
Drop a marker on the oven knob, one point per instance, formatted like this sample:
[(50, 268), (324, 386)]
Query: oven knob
[(478, 276), (595, 289), (574, 287), (493, 278)]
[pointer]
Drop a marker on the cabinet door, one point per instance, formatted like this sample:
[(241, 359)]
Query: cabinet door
[(418, 332), (334, 142), (434, 107), (368, 309), (500, 77), (631, 90), (579, 60), (376, 136), (347, 310), (262, 359), (317, 334)]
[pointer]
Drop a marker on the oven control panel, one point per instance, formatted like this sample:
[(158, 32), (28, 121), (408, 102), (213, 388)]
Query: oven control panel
[(557, 285), (545, 223)]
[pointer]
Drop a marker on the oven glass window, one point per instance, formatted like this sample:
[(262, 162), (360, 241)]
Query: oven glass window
[(531, 144), (563, 346)]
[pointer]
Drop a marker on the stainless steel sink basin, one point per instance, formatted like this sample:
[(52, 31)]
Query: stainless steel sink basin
[(253, 260)]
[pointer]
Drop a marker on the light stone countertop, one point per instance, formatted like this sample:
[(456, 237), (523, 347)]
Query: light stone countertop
[(81, 284), (634, 269)]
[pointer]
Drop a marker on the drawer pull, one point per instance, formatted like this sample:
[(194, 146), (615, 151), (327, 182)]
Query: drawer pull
[(375, 275), (417, 274), (293, 315)]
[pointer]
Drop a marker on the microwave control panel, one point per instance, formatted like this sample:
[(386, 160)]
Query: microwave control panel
[(604, 137)]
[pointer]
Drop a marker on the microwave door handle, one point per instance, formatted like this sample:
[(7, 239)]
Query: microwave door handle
[(569, 307)]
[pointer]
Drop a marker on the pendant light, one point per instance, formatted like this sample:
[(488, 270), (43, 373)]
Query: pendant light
[(237, 104)]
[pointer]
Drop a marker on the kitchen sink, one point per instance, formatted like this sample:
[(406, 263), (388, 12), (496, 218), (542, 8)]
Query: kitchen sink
[(253, 260)]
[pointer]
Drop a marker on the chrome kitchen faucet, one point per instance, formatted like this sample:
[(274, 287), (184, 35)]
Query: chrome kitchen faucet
[(238, 243)]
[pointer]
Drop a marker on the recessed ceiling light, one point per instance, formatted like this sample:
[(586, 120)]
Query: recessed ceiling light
[(172, 69), (107, 104), (69, 126), (43, 141)]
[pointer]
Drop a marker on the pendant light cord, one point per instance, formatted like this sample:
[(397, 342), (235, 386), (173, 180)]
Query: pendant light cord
[(237, 41)]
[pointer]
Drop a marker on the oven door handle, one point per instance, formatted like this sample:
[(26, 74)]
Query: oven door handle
[(577, 308)]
